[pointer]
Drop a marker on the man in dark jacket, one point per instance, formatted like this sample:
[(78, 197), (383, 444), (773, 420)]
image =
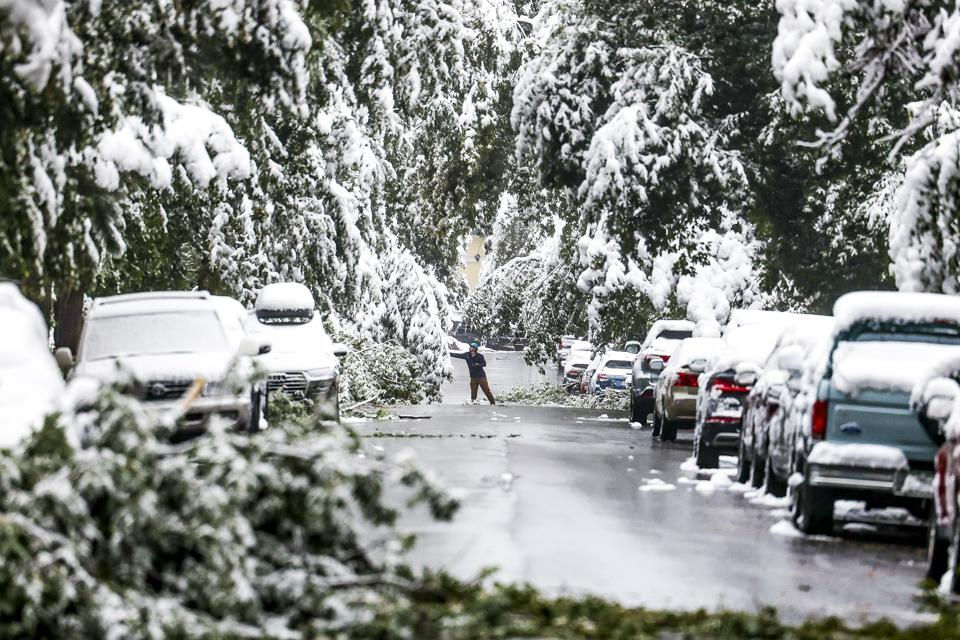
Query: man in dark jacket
[(478, 377)]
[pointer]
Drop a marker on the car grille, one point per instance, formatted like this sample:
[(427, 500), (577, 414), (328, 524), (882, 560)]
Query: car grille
[(289, 383), (157, 390)]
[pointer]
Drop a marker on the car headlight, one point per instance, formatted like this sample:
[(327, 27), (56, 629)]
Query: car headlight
[(214, 389)]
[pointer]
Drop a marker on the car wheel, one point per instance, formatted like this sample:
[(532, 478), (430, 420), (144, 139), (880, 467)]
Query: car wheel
[(812, 510), (668, 430), (938, 549), (757, 471), (775, 486), (707, 458), (656, 425), (743, 465)]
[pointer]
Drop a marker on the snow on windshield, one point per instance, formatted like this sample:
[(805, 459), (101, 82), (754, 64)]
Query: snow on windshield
[(153, 334), (694, 349), (292, 338), (885, 365), (750, 343)]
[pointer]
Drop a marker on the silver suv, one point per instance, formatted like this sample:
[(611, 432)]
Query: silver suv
[(186, 353)]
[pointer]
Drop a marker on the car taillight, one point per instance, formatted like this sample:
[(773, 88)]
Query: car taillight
[(725, 386), (602, 377), (650, 356), (686, 380), (574, 373), (818, 420)]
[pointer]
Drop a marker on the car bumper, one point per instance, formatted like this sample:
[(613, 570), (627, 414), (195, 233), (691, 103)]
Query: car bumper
[(896, 482), (724, 436), (680, 407)]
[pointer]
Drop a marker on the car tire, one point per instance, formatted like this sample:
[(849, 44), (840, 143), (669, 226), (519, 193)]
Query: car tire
[(812, 510), (775, 486), (743, 465), (655, 432), (757, 471), (668, 430), (707, 458), (938, 550)]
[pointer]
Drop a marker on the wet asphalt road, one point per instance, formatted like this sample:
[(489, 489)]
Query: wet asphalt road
[(553, 497)]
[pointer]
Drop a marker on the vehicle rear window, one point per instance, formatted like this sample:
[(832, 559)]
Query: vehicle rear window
[(579, 365), (936, 334), (673, 334), (619, 364)]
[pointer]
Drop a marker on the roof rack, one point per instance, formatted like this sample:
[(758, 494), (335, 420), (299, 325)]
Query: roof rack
[(152, 295)]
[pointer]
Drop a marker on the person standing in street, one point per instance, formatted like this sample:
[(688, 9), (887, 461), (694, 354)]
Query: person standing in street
[(478, 376)]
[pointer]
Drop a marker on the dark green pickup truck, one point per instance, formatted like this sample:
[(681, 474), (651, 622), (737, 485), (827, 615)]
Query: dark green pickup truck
[(856, 436)]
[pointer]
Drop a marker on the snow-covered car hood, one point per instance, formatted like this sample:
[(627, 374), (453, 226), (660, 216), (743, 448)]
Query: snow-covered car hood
[(212, 366), (297, 361)]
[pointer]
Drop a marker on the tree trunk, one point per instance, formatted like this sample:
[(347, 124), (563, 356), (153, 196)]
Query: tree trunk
[(68, 319)]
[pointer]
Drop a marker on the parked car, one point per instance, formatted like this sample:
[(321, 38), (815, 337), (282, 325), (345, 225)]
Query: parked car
[(661, 341), (720, 397), (759, 461), (175, 350), (613, 372), (675, 398), (856, 436), (563, 349), (633, 346), (575, 366), (30, 382), (935, 400), (303, 362), (588, 374)]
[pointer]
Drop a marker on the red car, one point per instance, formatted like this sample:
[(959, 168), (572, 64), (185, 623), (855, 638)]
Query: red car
[(935, 401)]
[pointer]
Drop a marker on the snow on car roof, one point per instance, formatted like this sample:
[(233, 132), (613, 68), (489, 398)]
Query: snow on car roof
[(694, 348), (580, 345), (666, 325), (747, 343), (146, 303), (285, 296), (579, 357), (618, 355), (895, 307), (30, 381), (806, 330)]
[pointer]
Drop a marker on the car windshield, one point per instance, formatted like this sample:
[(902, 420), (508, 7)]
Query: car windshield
[(619, 364), (154, 334), (292, 338)]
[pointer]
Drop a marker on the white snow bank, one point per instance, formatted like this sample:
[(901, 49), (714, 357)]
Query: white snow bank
[(786, 529), (895, 306), (871, 456), (285, 296), (30, 381), (895, 366)]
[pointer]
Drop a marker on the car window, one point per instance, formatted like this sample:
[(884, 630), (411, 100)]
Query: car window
[(153, 334), (292, 338), (672, 334), (619, 364)]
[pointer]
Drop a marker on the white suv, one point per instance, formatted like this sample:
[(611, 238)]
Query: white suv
[(180, 349), (303, 363)]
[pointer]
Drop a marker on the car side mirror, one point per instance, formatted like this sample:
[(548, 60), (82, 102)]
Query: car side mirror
[(794, 385), (746, 378), (252, 347), (656, 364), (340, 350), (64, 358)]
